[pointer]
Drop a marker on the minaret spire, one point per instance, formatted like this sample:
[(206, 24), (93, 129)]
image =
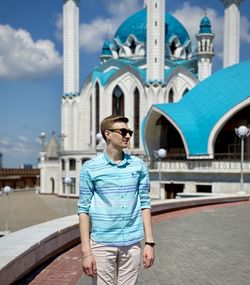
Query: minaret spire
[(231, 32), (70, 71), (155, 40), (71, 47), (205, 51)]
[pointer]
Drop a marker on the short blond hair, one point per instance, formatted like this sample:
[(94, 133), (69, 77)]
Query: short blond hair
[(107, 123)]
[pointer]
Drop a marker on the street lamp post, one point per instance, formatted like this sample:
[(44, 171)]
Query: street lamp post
[(7, 190), (160, 154), (37, 183), (242, 132), (67, 181), (42, 138)]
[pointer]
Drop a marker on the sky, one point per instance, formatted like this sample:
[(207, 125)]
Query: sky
[(31, 60)]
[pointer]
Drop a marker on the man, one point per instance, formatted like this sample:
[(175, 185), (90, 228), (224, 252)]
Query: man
[(114, 199)]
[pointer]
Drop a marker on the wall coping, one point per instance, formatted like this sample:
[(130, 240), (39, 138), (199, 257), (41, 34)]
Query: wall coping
[(23, 250)]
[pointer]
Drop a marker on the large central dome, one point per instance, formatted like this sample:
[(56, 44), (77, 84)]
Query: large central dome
[(137, 26)]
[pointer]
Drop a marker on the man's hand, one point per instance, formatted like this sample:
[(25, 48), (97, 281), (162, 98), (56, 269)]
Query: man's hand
[(89, 265), (148, 256)]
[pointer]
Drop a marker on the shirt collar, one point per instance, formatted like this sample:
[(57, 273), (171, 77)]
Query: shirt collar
[(126, 158)]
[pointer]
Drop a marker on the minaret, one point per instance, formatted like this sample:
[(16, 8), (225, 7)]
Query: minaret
[(155, 40), (231, 32), (71, 47), (205, 51), (70, 71)]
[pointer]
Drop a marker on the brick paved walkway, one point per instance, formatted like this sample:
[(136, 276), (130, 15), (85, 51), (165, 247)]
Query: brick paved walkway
[(201, 246)]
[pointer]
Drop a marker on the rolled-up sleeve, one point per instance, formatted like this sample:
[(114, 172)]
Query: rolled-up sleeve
[(86, 190), (144, 187)]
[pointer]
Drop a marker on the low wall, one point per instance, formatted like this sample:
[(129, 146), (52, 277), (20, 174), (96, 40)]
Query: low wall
[(22, 251)]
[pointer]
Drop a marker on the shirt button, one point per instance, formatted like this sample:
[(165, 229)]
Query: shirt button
[(123, 207)]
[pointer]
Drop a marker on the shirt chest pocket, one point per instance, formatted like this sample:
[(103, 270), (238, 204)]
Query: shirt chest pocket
[(133, 178)]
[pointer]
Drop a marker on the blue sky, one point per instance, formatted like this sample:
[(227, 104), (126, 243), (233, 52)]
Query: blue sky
[(31, 75)]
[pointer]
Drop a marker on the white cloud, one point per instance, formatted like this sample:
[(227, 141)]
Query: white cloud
[(22, 57), (22, 138), (59, 26), (93, 34), (194, 14), (245, 29), (19, 146)]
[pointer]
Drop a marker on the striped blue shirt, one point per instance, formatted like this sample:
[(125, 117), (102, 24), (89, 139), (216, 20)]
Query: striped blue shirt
[(113, 196)]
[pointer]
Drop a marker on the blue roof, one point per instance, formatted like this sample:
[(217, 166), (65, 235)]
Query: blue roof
[(199, 111), (137, 23), (205, 26)]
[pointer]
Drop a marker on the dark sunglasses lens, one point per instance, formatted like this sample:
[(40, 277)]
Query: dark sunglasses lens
[(124, 132)]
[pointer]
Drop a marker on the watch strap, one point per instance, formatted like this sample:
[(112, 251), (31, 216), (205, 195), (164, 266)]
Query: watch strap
[(150, 243)]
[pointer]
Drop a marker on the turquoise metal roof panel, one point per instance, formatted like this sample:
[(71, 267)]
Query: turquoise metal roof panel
[(199, 111), (205, 26)]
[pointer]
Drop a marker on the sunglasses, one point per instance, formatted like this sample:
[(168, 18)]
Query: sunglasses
[(123, 132)]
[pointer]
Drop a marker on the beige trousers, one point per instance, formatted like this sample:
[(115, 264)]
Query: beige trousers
[(116, 265)]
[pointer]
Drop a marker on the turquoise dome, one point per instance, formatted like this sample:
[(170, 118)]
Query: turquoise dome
[(106, 48), (205, 26), (137, 23)]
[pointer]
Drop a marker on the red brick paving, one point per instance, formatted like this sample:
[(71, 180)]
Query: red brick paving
[(66, 269)]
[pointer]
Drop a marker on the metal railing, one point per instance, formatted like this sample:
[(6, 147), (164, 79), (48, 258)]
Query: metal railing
[(221, 162)]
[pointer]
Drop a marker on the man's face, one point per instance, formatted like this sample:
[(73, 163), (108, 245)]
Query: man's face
[(117, 135)]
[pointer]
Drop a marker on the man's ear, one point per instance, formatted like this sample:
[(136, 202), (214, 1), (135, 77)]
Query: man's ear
[(107, 134)]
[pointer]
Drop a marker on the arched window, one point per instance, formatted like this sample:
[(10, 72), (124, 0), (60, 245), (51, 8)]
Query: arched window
[(118, 102), (185, 92), (72, 164), (52, 184), (97, 106), (171, 96), (63, 164), (136, 118), (133, 46)]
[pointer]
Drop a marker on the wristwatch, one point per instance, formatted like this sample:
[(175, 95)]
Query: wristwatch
[(150, 243)]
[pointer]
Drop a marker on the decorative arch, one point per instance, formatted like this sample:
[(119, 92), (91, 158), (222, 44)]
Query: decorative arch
[(52, 185), (185, 92), (163, 126), (118, 101), (222, 123), (171, 95)]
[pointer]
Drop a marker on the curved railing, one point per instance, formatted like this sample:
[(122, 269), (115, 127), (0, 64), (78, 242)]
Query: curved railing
[(22, 251)]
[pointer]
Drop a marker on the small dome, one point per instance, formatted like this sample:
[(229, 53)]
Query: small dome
[(205, 26), (106, 48), (137, 23)]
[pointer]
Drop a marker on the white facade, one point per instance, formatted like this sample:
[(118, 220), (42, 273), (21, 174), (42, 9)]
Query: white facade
[(83, 110), (231, 32)]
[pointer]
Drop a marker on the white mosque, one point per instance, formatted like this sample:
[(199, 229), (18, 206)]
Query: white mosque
[(149, 73)]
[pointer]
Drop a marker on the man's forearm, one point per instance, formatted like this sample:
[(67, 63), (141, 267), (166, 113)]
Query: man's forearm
[(84, 233), (147, 222)]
